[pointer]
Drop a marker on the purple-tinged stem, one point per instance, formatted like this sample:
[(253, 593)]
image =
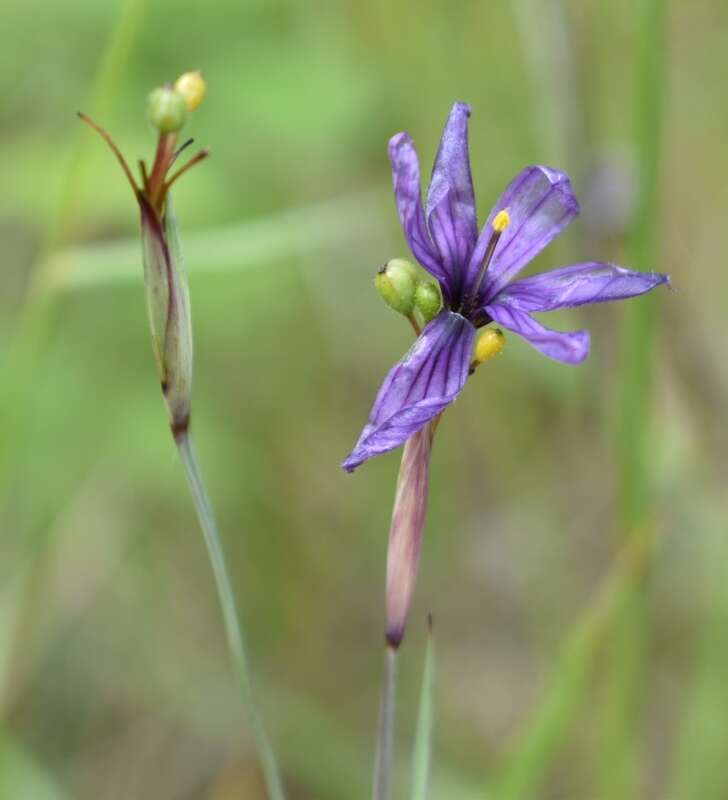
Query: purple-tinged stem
[(162, 159)]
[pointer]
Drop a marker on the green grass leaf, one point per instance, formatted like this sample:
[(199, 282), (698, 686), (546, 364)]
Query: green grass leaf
[(421, 763)]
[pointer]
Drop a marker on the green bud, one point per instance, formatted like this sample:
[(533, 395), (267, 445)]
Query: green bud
[(428, 299), (395, 282), (167, 109)]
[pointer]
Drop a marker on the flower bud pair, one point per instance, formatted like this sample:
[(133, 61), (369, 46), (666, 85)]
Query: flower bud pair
[(399, 286), (168, 106)]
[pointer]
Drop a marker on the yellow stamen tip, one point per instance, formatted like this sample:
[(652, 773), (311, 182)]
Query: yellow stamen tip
[(501, 221), (489, 345), (192, 86)]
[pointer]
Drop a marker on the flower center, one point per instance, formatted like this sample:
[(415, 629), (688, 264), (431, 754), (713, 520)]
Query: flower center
[(500, 222)]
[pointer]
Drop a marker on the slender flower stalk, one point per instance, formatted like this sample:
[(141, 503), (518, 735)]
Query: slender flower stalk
[(170, 323), (233, 628)]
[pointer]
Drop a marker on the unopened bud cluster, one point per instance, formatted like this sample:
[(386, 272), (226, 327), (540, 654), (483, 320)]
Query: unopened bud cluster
[(168, 106), (401, 288)]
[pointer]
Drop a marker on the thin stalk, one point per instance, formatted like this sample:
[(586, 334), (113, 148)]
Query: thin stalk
[(621, 778), (233, 630), (385, 740)]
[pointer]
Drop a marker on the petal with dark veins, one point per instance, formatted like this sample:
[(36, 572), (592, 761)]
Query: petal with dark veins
[(423, 384)]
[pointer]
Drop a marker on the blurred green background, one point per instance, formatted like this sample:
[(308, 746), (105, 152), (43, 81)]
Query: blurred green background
[(576, 568)]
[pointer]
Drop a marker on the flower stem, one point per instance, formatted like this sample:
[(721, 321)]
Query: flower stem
[(231, 619), (385, 739)]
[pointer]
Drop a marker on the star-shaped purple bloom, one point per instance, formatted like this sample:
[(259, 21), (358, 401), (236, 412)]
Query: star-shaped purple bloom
[(475, 272)]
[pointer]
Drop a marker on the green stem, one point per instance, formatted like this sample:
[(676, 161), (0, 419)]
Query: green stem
[(233, 630), (385, 740)]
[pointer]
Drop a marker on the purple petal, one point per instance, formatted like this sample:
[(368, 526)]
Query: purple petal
[(450, 200), (593, 282), (540, 203), (428, 379), (406, 179), (571, 348)]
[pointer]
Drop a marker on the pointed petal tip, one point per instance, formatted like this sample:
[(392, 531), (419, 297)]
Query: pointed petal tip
[(576, 348), (460, 107), (351, 462), (562, 183), (582, 353), (399, 140)]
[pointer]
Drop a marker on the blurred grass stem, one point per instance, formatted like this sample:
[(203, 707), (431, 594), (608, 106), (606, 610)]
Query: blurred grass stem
[(36, 315), (534, 750), (549, 56), (621, 779), (385, 738), (230, 615), (35, 320)]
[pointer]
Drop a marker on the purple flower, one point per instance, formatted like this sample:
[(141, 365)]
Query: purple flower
[(476, 274)]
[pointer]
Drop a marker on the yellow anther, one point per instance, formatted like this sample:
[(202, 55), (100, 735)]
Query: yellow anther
[(501, 220), (489, 345), (192, 86)]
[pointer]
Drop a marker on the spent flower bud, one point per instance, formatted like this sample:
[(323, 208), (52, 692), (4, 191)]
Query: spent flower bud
[(395, 282), (428, 299), (168, 307), (167, 109), (405, 533)]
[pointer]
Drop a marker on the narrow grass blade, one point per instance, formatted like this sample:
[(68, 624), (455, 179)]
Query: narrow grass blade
[(622, 750), (535, 748), (421, 767), (699, 760), (22, 776)]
